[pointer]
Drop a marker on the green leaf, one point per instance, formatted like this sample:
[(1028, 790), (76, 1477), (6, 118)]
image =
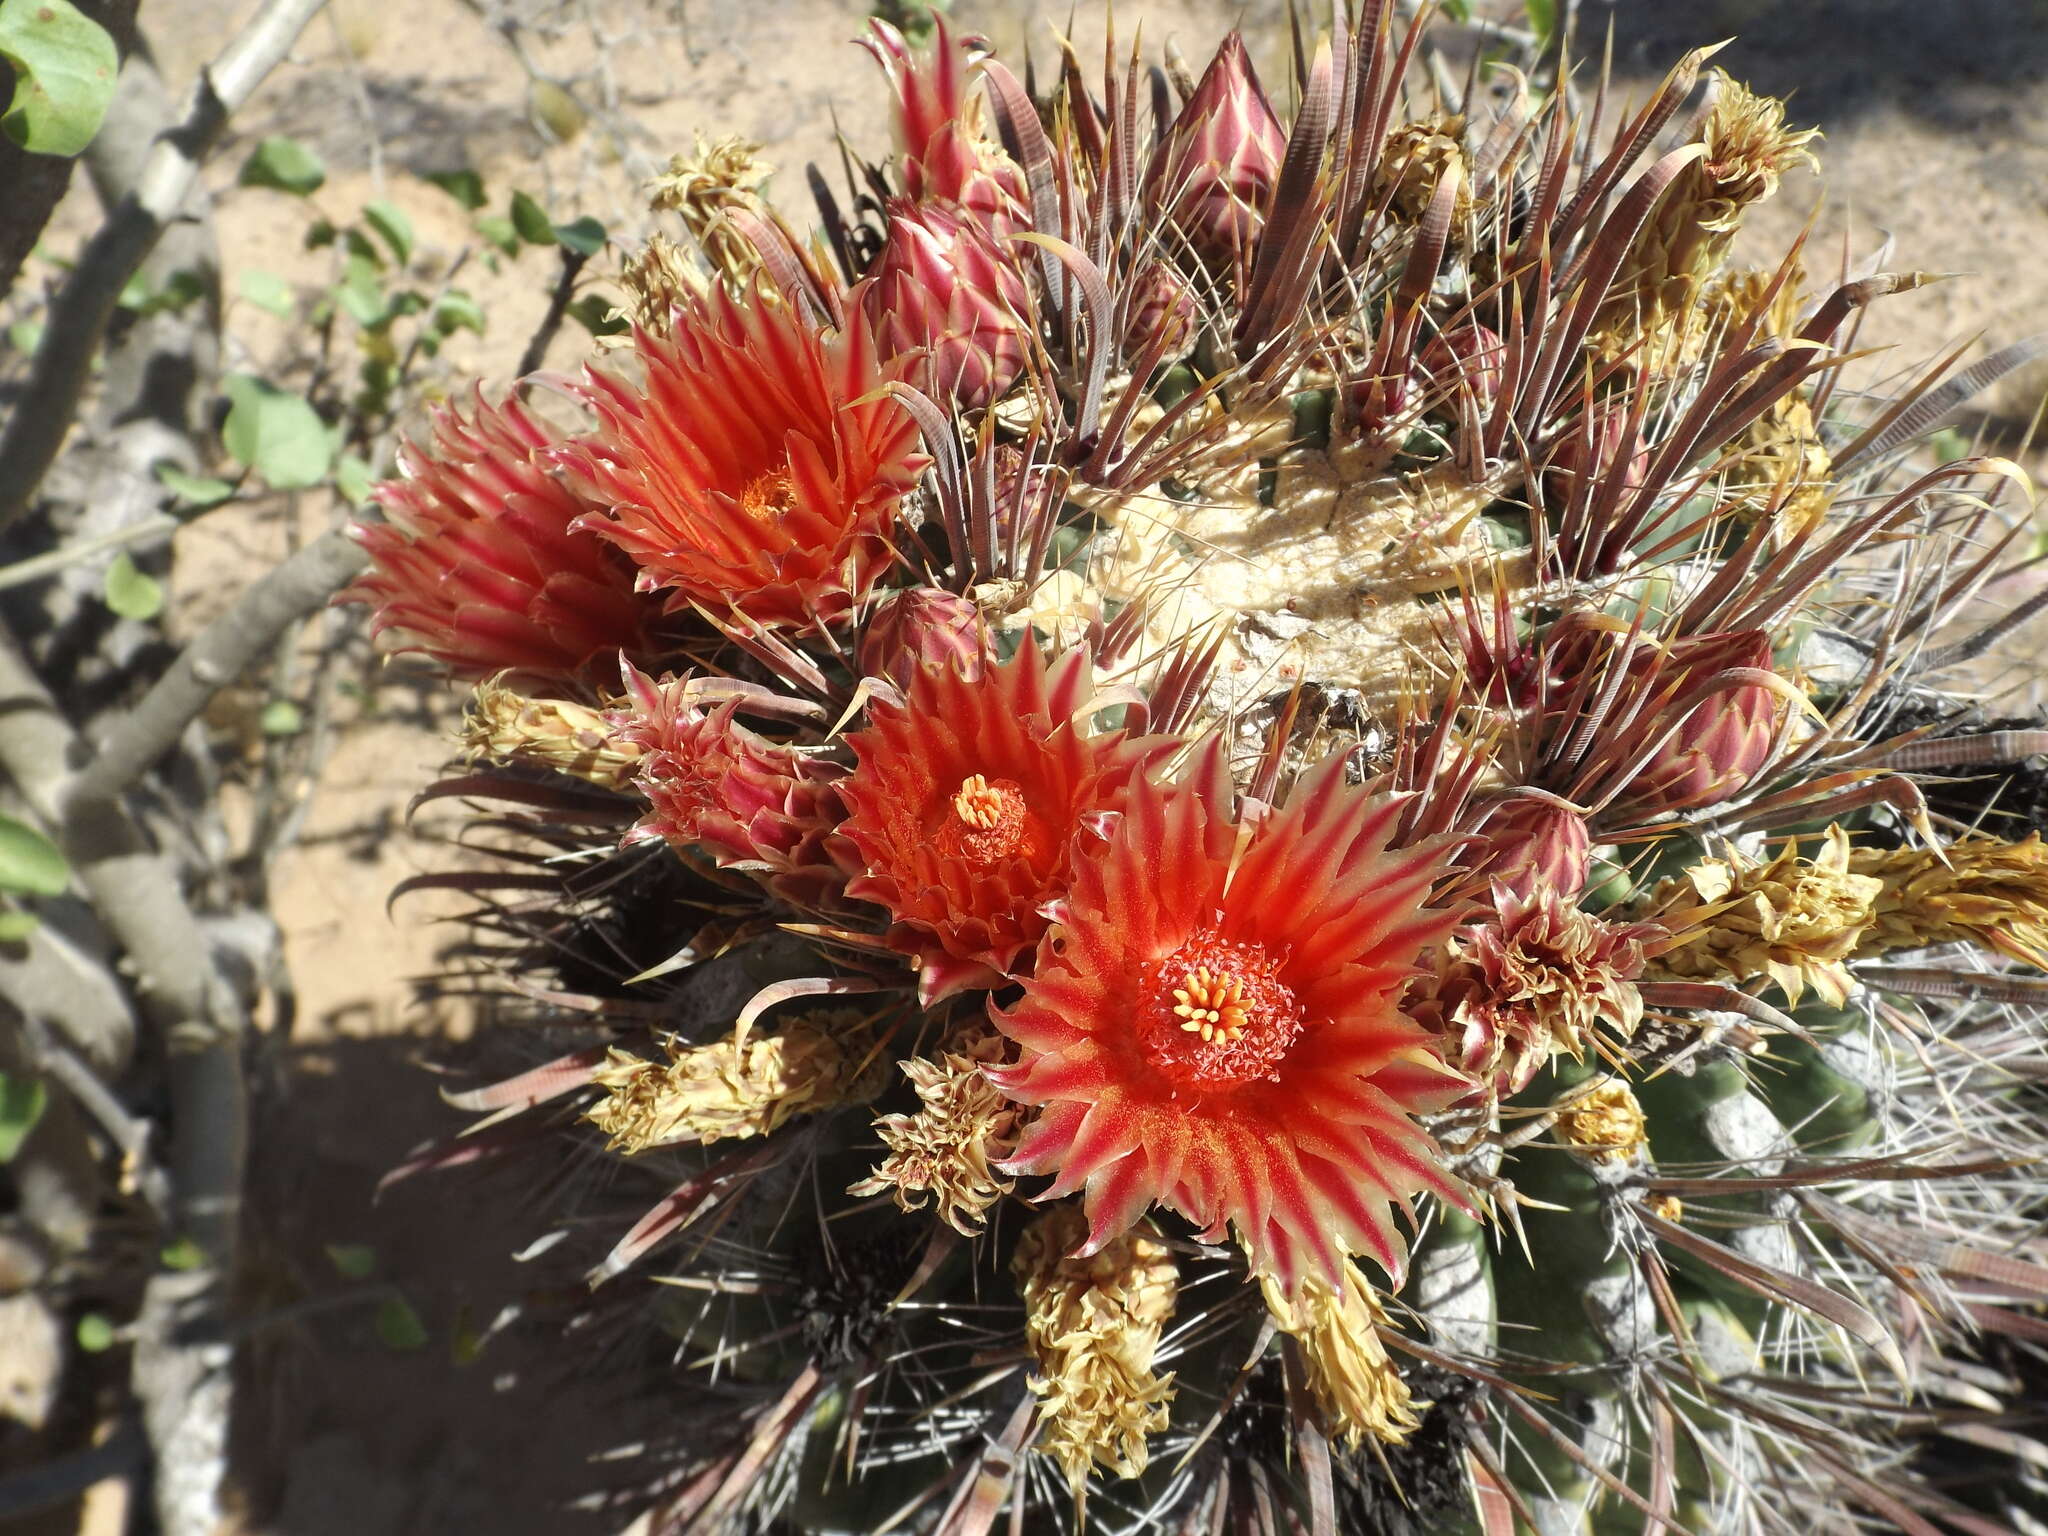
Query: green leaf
[(95, 1333), (30, 864), (353, 478), (1542, 16), (195, 491), (21, 1106), (585, 237), (353, 1261), (131, 592), (1948, 445), (281, 717), (25, 335), (457, 311), (183, 1255), (181, 288), (594, 313), (64, 68), (392, 227), (399, 1326), (466, 187), (278, 435), (16, 925), (530, 222), (285, 165), (266, 290), (361, 293), (499, 232)]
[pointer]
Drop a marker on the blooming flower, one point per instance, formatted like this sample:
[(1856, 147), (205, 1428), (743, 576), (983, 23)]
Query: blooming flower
[(481, 564), (1215, 1025), (946, 154), (755, 468), (967, 804)]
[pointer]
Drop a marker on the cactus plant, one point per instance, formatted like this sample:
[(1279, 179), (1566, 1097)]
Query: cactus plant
[(1229, 801)]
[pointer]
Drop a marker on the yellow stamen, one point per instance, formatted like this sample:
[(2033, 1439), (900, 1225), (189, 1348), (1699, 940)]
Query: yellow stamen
[(1211, 1005), (768, 496), (977, 804)]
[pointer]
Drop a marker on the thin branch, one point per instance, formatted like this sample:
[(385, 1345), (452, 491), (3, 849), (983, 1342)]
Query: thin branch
[(220, 653), (558, 305), (36, 567), (79, 313)]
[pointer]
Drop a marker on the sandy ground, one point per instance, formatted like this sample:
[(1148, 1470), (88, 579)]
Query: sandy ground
[(1937, 135)]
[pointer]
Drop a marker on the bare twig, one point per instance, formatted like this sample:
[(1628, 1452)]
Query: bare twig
[(39, 566), (216, 658), (558, 305), (79, 313), (56, 1482)]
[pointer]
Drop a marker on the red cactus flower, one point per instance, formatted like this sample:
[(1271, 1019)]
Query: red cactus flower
[(481, 565), (941, 287), (1215, 1024), (1214, 174), (968, 801), (756, 468), (946, 155), (922, 627), (753, 804)]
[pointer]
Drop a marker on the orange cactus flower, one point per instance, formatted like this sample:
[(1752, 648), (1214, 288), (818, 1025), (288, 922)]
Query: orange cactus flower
[(480, 564), (968, 801), (1215, 1024), (756, 468)]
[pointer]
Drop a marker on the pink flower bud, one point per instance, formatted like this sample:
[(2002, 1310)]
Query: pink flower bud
[(1163, 315), (1722, 742), (1527, 844), (920, 627), (1598, 446), (947, 157), (1465, 360), (1213, 175), (941, 286)]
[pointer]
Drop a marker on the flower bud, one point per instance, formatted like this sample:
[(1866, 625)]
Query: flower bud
[(1465, 360), (920, 627), (1722, 743), (941, 286), (1598, 446), (1163, 315), (1214, 174), (947, 156), (1527, 844)]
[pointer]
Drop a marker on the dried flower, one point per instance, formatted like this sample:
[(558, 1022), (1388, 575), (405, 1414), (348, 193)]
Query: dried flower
[(1541, 977), (1093, 1324), (706, 188), (1606, 1122), (968, 803), (1793, 919), (941, 288), (1214, 1024), (713, 784), (755, 468), (1981, 891), (944, 1150), (1417, 157), (736, 1088), (560, 734), (1214, 173), (922, 627), (483, 565), (1353, 1381), (656, 281)]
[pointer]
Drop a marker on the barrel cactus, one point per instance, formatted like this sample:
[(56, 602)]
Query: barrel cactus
[(1255, 822)]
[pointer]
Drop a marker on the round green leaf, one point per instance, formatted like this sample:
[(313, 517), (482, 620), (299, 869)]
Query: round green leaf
[(133, 593), (266, 290), (399, 1326), (466, 187), (284, 164), (64, 68), (278, 435), (281, 717), (353, 477), (531, 223), (392, 227), (457, 311), (21, 1106), (196, 491), (16, 925), (29, 862), (585, 237), (95, 1333)]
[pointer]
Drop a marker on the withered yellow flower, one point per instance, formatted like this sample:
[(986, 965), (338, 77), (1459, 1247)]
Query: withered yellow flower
[(706, 187), (1354, 1382), (1988, 892), (1606, 1123), (1793, 919), (942, 1151), (732, 1089), (560, 734), (1093, 1325)]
